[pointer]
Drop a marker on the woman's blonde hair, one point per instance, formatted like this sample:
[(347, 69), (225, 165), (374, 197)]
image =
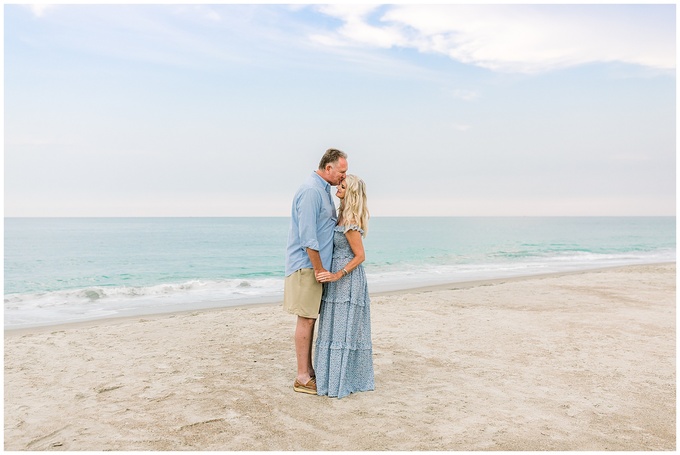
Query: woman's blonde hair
[(353, 207)]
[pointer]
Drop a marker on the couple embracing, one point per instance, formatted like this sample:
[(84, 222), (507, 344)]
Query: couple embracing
[(325, 280)]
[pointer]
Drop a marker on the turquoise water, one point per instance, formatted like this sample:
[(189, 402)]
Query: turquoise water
[(67, 269)]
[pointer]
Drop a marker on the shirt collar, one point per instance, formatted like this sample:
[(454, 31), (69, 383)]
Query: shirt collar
[(325, 184)]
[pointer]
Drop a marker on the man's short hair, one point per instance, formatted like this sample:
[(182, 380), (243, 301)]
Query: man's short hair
[(331, 156)]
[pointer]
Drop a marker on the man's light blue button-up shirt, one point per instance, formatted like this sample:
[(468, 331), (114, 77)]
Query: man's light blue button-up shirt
[(313, 219)]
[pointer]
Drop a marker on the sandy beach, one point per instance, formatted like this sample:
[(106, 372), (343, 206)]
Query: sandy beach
[(573, 361)]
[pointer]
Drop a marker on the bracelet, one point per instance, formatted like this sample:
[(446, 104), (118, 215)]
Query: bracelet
[(345, 272)]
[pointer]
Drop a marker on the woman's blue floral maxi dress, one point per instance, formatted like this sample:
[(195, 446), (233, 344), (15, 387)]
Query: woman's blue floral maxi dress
[(344, 352)]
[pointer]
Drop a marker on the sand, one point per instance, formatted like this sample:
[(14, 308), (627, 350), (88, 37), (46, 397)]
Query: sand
[(577, 361)]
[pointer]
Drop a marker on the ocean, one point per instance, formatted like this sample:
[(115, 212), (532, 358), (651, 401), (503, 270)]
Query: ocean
[(61, 270)]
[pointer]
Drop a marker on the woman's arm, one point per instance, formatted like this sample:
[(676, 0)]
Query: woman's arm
[(357, 246)]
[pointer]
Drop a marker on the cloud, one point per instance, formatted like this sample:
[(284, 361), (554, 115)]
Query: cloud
[(515, 38), (169, 35), (357, 29), (465, 95), (461, 127), (199, 11), (39, 9)]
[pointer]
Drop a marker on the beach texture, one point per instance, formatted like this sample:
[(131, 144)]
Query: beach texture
[(576, 361)]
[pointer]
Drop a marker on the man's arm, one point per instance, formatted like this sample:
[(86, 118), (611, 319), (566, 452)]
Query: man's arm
[(308, 207), (316, 261)]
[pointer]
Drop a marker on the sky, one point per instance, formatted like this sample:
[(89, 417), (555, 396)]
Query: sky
[(443, 109)]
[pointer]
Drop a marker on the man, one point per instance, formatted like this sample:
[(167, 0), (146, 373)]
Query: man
[(309, 252)]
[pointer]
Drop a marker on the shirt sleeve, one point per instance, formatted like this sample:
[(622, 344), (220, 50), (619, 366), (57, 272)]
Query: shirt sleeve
[(308, 207)]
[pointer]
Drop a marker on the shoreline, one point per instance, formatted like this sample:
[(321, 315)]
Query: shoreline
[(222, 306), (560, 362), (225, 305)]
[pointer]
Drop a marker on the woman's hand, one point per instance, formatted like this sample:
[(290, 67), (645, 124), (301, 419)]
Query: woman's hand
[(328, 277)]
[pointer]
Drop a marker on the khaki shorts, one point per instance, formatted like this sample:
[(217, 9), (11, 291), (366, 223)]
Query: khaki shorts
[(302, 294)]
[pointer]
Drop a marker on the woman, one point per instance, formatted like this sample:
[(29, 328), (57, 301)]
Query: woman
[(344, 353)]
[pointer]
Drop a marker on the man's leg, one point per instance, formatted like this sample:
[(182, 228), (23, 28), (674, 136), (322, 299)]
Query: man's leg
[(304, 331)]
